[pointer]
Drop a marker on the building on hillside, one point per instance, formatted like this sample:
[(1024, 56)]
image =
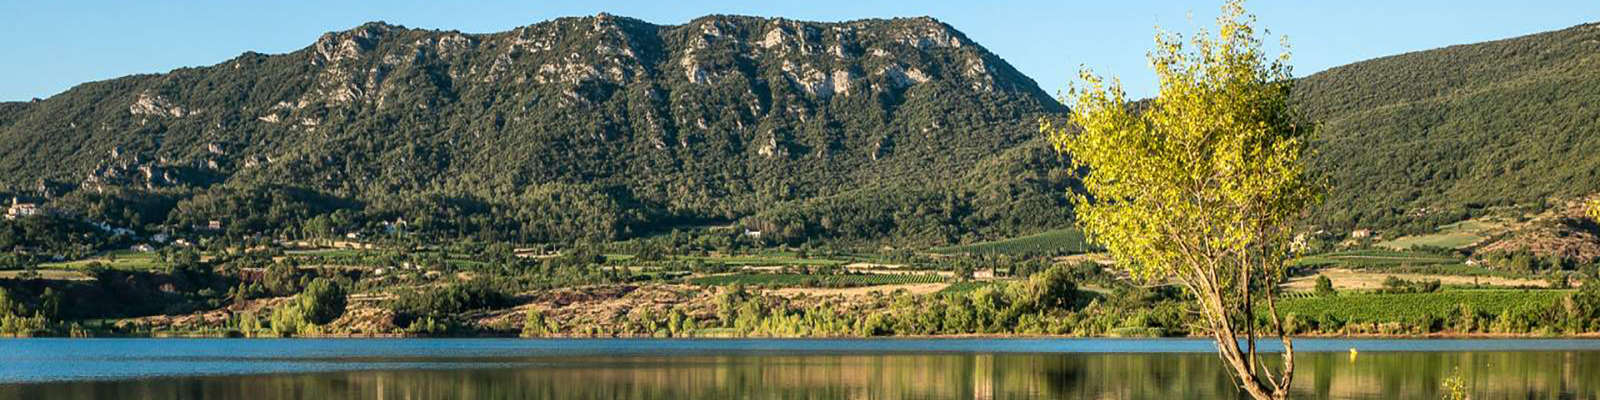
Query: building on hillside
[(19, 209), (1361, 234), (142, 248)]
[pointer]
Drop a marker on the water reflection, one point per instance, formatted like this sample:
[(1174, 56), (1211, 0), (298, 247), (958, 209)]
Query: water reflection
[(1548, 374)]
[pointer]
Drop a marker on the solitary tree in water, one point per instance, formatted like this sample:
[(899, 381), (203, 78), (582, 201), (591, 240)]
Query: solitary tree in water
[(1201, 185)]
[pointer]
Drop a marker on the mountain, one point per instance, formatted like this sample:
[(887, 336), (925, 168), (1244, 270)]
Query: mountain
[(576, 128), (898, 131), (1434, 136)]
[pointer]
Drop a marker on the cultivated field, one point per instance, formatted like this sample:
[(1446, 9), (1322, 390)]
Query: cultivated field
[(1409, 307), (911, 288), (1453, 236), (1347, 279), (814, 280), (1048, 242), (1370, 258), (124, 260)]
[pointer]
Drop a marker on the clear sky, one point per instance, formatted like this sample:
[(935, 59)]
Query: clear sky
[(51, 45)]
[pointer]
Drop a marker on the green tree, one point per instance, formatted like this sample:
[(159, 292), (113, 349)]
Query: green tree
[(248, 324), (1203, 184), (1584, 307), (675, 325), (1052, 288), (535, 325), (1325, 286), (287, 320), (9, 307), (322, 302)]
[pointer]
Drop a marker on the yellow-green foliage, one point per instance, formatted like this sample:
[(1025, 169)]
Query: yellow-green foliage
[(1594, 209), (288, 320), (536, 324), (1202, 184), (320, 303), (1212, 169), (14, 319), (1455, 386)]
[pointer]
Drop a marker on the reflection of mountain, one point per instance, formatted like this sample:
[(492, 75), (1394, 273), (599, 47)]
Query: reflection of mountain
[(897, 376)]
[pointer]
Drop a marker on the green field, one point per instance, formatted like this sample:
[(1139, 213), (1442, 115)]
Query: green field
[(121, 259), (1453, 236), (762, 260), (1374, 258), (1372, 307), (803, 280), (381, 258), (1452, 240), (328, 252), (1049, 242)]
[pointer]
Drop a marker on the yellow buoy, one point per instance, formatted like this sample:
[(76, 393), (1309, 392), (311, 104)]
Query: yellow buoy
[(1352, 354)]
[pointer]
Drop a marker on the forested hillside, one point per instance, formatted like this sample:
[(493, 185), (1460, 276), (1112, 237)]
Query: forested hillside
[(574, 129), (1417, 139), (899, 132)]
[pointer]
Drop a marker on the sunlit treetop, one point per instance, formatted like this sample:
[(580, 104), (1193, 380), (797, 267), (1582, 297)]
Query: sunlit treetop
[(1209, 171)]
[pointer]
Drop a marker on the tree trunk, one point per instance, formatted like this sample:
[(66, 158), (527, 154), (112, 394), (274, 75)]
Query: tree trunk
[(1255, 379)]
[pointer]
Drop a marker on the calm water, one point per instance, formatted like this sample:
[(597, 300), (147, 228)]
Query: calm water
[(768, 369)]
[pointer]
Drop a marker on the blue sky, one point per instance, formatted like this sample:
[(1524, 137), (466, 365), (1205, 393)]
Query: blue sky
[(52, 45)]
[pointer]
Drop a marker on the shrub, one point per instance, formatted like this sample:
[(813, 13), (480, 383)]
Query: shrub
[(288, 320), (1325, 286), (442, 303), (536, 325), (322, 302)]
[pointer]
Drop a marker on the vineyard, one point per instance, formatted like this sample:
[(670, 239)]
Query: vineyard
[(1374, 258), (1371, 307), (762, 260), (815, 280), (1055, 242)]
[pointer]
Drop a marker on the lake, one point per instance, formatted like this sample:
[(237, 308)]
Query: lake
[(769, 368)]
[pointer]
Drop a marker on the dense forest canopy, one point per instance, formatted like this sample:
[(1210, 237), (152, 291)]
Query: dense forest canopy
[(1425, 138)]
